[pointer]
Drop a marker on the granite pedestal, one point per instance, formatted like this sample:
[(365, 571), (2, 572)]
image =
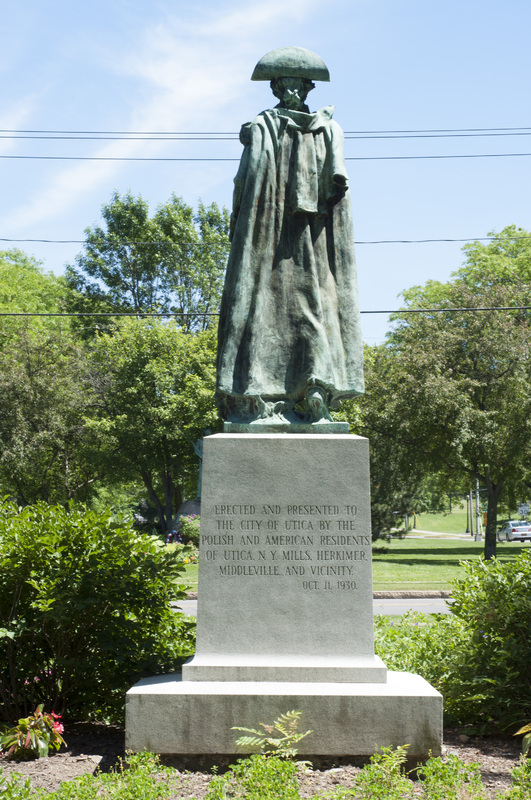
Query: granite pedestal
[(285, 610)]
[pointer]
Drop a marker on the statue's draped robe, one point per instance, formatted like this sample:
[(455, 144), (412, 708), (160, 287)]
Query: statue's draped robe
[(289, 314)]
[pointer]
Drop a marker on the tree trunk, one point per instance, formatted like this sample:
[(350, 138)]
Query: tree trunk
[(493, 493), (146, 477), (168, 489)]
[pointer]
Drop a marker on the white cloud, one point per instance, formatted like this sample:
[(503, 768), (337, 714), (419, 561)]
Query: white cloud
[(190, 74)]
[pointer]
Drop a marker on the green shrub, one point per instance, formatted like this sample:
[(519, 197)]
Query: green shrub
[(420, 643), (258, 777), (490, 680), (477, 656), (450, 779), (84, 611), (189, 526)]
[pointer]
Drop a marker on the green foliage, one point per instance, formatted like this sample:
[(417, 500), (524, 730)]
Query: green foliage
[(171, 262), (42, 388), (384, 778), (25, 287), (520, 788), (257, 778), (506, 259), (43, 436), (84, 610), (33, 736), (526, 741), (478, 656), (420, 643), (15, 788), (447, 394), (155, 389), (189, 527), (490, 681), (282, 746), (450, 779), (140, 778)]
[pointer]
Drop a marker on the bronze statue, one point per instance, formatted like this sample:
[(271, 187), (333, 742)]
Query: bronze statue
[(290, 345)]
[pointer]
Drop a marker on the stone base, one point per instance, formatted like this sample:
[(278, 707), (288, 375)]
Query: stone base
[(169, 716), (302, 669)]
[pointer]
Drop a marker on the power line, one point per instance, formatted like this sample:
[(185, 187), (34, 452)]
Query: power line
[(148, 138), (226, 137), (348, 158), (224, 244), (166, 314), (442, 131), (112, 158)]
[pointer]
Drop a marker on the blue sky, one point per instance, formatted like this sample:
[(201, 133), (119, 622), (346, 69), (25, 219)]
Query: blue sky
[(131, 65)]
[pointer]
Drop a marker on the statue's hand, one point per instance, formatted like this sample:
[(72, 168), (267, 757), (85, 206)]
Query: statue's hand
[(340, 182)]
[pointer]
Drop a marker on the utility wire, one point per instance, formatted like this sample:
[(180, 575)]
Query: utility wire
[(478, 131), (349, 158), (224, 244), (216, 314), (226, 137)]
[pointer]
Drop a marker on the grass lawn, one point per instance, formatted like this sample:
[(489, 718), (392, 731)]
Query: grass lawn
[(428, 563), (190, 577), (443, 523)]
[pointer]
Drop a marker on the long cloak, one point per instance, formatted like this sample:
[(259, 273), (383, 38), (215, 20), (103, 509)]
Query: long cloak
[(289, 314)]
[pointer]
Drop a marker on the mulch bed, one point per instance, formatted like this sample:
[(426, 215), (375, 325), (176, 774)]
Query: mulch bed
[(94, 746)]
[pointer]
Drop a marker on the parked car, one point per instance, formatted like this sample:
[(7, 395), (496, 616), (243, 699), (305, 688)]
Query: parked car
[(515, 531)]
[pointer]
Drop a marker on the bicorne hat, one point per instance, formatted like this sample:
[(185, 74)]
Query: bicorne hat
[(291, 62)]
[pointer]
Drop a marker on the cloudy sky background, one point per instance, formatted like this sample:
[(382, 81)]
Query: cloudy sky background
[(132, 66)]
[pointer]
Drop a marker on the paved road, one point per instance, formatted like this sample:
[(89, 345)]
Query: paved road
[(427, 605)]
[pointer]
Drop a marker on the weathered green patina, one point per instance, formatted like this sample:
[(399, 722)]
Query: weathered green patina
[(289, 330)]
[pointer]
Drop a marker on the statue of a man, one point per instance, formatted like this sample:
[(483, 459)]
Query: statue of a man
[(290, 345)]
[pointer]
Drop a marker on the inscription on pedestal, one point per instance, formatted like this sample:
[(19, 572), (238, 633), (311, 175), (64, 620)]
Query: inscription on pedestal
[(319, 546)]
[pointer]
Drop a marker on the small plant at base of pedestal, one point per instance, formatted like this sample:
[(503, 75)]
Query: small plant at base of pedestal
[(384, 778), (449, 778), (282, 746), (34, 736), (258, 777)]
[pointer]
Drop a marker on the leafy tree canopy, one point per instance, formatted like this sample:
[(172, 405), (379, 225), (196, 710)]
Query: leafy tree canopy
[(25, 287), (155, 387), (450, 392), (42, 432), (172, 262)]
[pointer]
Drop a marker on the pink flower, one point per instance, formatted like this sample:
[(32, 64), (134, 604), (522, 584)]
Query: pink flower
[(58, 727)]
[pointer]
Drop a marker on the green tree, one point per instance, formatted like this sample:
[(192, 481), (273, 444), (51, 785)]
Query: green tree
[(172, 262), (506, 259), (450, 393), (399, 482), (25, 287), (44, 398), (155, 387)]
